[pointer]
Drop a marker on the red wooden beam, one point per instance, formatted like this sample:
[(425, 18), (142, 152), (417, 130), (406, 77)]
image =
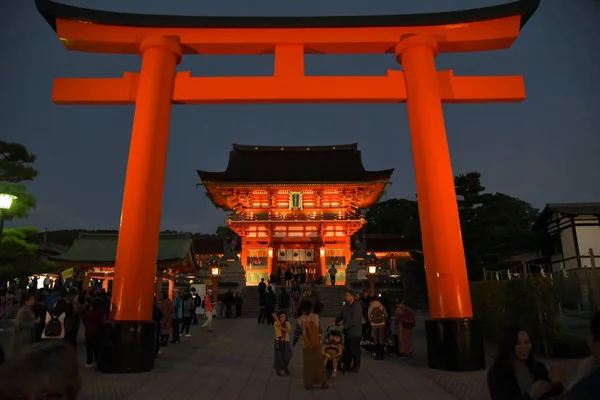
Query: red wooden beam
[(308, 89)]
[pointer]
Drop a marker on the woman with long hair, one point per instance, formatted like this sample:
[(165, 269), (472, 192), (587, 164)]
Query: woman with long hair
[(517, 375), (309, 329), (166, 324)]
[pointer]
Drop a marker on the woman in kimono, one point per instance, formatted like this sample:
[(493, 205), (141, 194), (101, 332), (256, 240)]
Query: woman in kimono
[(166, 324)]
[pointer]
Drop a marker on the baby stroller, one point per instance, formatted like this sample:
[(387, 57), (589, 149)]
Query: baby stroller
[(333, 347)]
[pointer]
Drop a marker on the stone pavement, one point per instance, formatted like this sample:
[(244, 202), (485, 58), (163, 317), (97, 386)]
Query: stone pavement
[(235, 362)]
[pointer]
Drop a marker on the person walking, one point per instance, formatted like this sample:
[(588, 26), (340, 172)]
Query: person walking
[(177, 315), (55, 321), (284, 300), (309, 329), (166, 324), (24, 327), (93, 319), (283, 350), (239, 302), (332, 273), (189, 309), (377, 318), (405, 322), (350, 320), (208, 304), (270, 303)]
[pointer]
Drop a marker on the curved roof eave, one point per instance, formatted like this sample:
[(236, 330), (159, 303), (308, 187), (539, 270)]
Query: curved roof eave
[(51, 11)]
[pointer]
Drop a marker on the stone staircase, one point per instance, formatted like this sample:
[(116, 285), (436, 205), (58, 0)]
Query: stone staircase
[(332, 298)]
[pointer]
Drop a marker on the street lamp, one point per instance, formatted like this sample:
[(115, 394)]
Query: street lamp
[(372, 263), (6, 201), (215, 273)]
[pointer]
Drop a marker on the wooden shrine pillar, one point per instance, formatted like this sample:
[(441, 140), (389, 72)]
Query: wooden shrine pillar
[(85, 285), (158, 285), (269, 263), (137, 248), (171, 288), (322, 264), (105, 284), (347, 252), (244, 254)]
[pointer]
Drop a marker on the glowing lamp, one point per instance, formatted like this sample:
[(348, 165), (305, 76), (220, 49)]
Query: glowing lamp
[(322, 252), (6, 201), (372, 269), (270, 253), (215, 272)]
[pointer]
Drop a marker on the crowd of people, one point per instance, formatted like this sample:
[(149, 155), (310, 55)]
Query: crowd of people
[(364, 320), (48, 322)]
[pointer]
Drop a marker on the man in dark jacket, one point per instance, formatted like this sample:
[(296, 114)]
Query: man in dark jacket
[(270, 303), (262, 291), (284, 300), (365, 302), (350, 318)]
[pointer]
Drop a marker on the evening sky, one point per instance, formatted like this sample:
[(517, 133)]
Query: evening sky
[(545, 149)]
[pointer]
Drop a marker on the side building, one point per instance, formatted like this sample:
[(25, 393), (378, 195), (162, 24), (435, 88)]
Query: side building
[(574, 229), (295, 206)]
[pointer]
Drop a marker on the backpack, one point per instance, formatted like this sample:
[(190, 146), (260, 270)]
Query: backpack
[(408, 319), (311, 336), (53, 327), (377, 316)]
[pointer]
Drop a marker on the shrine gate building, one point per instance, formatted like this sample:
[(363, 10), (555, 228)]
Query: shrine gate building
[(295, 206)]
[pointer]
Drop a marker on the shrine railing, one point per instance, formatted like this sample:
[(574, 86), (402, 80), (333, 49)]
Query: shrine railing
[(292, 218)]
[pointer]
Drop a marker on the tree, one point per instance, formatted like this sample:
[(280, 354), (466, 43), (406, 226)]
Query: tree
[(501, 227), (395, 216), (18, 255), (225, 231), (494, 226), (15, 163)]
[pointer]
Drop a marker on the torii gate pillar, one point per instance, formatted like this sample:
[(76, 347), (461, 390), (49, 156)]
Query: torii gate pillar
[(446, 270)]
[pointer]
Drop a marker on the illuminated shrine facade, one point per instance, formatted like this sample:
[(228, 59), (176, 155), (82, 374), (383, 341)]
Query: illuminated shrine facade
[(295, 206)]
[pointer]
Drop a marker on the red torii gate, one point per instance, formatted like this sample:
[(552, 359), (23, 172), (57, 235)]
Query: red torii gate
[(454, 338)]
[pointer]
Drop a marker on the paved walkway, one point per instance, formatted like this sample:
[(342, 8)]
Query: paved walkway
[(235, 362)]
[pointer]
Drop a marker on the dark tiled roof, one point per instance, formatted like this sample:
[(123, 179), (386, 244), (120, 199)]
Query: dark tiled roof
[(574, 208), (258, 164), (386, 243), (51, 11), (568, 209), (101, 248), (210, 244)]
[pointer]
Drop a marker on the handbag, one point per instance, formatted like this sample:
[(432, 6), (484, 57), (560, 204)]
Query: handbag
[(278, 344)]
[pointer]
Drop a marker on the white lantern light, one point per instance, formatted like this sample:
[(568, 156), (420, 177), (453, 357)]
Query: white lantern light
[(6, 201)]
